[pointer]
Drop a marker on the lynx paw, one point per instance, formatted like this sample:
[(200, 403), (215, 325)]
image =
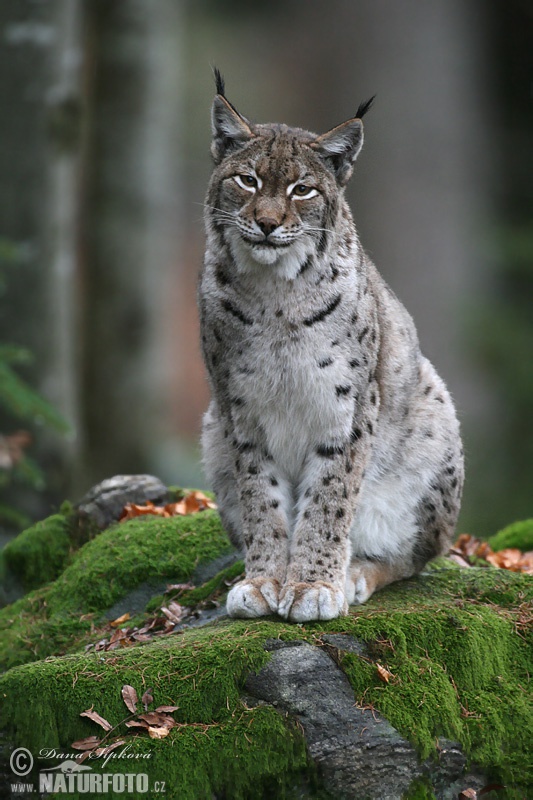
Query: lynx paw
[(302, 602), (253, 597)]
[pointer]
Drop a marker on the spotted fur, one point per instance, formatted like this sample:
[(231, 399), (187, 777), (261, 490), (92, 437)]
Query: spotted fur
[(330, 441)]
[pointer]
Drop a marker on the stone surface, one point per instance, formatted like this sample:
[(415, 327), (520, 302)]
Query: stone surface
[(104, 503), (358, 753)]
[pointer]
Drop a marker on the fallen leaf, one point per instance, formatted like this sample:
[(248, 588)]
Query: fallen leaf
[(181, 587), (468, 794), (147, 699), (158, 733), (168, 709), (86, 744), (159, 719), (136, 723), (116, 623), (191, 503), (384, 674), (129, 695), (174, 612), (97, 718)]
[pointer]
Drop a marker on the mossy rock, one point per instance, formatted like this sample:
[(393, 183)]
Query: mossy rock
[(518, 534), (455, 644), (39, 554), (140, 555)]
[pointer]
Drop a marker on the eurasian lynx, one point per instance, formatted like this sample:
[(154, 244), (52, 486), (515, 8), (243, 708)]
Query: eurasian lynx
[(330, 441)]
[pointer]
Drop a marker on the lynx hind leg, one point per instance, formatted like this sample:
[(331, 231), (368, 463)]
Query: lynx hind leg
[(366, 576)]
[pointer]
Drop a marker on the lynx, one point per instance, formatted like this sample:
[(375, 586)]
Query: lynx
[(331, 443)]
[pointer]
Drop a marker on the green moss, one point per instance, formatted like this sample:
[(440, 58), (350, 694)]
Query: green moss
[(461, 663), (209, 590), (39, 554), (127, 554), (419, 790), (102, 572), (458, 643), (220, 746), (519, 534)]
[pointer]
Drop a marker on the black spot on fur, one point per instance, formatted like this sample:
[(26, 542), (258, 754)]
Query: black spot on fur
[(355, 435), (354, 363), (341, 391), (362, 334), (339, 513), (427, 390), (326, 362), (307, 514), (274, 504), (238, 401), (279, 312), (221, 276), (273, 481), (305, 266), (252, 470), (334, 273), (227, 305), (370, 428), (329, 451), (324, 312)]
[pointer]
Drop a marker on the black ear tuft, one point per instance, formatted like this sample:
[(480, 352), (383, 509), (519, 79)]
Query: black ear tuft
[(364, 107), (219, 81)]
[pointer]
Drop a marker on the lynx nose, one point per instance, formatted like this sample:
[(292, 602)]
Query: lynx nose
[(267, 224)]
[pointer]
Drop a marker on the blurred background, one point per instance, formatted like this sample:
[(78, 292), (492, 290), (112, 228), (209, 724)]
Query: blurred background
[(104, 161)]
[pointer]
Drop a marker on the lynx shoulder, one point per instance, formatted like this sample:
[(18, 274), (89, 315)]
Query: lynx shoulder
[(331, 442)]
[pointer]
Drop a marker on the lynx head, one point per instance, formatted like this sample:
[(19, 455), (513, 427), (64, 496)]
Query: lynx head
[(275, 190)]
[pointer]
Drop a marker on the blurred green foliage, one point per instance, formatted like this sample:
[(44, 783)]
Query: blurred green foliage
[(19, 403)]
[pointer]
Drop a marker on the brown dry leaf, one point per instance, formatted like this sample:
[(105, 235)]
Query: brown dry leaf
[(179, 587), (384, 674), (511, 558), (141, 637), (136, 723), (174, 612), (190, 504), (129, 695), (116, 623), (88, 743), (147, 699), (468, 794), (132, 510), (97, 718), (168, 709), (158, 733), (454, 555), (159, 719)]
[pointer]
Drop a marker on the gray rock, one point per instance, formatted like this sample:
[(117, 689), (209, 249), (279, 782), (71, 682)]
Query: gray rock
[(104, 503), (359, 755)]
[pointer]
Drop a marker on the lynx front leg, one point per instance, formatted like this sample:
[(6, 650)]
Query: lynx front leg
[(320, 549), (263, 501)]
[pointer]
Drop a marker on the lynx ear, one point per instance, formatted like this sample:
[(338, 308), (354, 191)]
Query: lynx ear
[(230, 129), (341, 145)]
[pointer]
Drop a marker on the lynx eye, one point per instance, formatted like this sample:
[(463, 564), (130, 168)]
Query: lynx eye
[(303, 192), (248, 182)]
